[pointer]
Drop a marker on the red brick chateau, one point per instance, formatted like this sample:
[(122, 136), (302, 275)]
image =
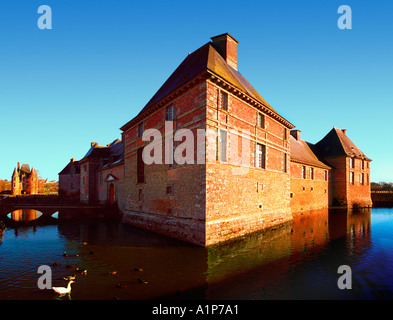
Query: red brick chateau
[(205, 202), (24, 180)]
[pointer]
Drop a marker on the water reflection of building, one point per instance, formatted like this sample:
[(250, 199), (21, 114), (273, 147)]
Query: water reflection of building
[(260, 265), (170, 266), (2, 230), (25, 215), (252, 251), (359, 229), (353, 223), (310, 229), (236, 268)]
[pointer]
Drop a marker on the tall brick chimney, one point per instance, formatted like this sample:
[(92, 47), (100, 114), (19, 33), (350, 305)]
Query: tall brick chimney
[(296, 134), (344, 131), (18, 165), (226, 46)]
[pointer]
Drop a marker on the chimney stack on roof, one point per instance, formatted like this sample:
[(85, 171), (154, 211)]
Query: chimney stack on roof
[(73, 160), (93, 144), (18, 165), (344, 131), (226, 46), (296, 134)]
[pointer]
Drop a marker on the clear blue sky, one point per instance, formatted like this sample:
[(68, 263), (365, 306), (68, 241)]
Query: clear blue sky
[(103, 60)]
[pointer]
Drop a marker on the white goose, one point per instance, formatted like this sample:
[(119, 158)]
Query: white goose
[(62, 290)]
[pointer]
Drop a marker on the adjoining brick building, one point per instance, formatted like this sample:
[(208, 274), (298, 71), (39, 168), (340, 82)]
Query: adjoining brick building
[(96, 177), (219, 198), (350, 172), (309, 177), (24, 180), (69, 180)]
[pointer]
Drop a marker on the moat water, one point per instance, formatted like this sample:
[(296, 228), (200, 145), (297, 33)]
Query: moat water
[(298, 260)]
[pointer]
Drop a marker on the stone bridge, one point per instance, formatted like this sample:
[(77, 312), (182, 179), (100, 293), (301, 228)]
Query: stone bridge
[(25, 207)]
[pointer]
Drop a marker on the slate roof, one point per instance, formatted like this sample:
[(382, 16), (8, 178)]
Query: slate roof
[(301, 152), (96, 151), (337, 143), (25, 168), (206, 58), (67, 169), (112, 151), (116, 148)]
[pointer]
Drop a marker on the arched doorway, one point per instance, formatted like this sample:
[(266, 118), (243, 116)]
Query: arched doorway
[(111, 193)]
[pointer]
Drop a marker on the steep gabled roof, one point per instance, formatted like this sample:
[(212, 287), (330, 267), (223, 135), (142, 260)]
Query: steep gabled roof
[(204, 59), (116, 148), (337, 143), (301, 152), (113, 152), (97, 151), (67, 169), (191, 66)]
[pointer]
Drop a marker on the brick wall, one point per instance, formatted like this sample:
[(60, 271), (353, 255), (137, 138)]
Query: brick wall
[(359, 192), (69, 185), (240, 201), (343, 191), (172, 199), (103, 186), (338, 180), (88, 180), (308, 194)]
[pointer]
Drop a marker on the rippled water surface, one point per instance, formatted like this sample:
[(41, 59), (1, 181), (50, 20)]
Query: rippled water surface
[(298, 260)]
